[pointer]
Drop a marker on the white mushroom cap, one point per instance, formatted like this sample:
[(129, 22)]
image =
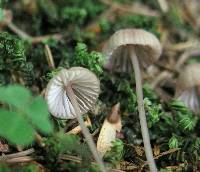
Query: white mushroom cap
[(85, 86), (187, 88), (116, 50)]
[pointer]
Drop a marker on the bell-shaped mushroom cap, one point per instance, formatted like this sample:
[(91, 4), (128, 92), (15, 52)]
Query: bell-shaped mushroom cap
[(85, 86), (187, 87), (147, 48)]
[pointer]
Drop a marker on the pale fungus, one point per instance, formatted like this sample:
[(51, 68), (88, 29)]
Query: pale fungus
[(127, 50), (70, 94), (109, 129)]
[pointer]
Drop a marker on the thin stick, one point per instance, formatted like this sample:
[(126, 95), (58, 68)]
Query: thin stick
[(16, 155), (135, 8), (20, 159), (33, 40), (187, 54), (49, 56), (183, 45), (85, 130), (19, 32), (39, 39), (142, 116), (77, 129), (162, 76), (163, 5), (38, 139)]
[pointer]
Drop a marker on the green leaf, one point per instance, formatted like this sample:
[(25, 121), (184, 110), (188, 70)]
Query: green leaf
[(39, 115), (15, 95), (175, 142), (179, 106), (188, 123), (15, 128)]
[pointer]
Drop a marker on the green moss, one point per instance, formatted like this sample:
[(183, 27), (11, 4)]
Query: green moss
[(137, 21), (93, 61), (13, 58), (71, 14), (116, 153)]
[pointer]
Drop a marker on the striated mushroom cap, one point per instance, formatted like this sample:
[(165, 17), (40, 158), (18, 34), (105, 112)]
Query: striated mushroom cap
[(188, 87), (116, 50), (85, 86)]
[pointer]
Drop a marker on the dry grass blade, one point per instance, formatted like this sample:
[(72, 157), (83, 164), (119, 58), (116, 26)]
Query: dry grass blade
[(49, 57), (22, 159), (16, 155), (135, 8)]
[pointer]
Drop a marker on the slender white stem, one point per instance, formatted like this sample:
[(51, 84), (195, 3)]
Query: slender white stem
[(85, 130), (142, 116)]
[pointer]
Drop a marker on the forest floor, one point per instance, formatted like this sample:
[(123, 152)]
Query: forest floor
[(39, 38)]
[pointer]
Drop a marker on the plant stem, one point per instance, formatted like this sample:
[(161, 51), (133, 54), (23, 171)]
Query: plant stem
[(85, 130), (142, 116)]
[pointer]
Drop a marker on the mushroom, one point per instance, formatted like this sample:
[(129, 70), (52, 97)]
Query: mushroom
[(188, 87), (109, 129), (71, 93), (127, 50)]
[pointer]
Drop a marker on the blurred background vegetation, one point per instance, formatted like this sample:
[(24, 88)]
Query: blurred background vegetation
[(39, 37)]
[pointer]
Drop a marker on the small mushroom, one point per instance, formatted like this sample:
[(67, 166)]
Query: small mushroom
[(109, 129), (71, 93), (188, 87), (127, 50)]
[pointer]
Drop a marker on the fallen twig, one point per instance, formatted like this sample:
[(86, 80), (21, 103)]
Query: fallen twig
[(18, 31), (163, 5), (162, 76), (20, 159), (183, 45), (16, 155), (49, 57), (77, 129), (187, 54), (33, 40), (135, 8)]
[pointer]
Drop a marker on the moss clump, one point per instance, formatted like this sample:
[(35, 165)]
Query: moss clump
[(13, 58), (93, 61)]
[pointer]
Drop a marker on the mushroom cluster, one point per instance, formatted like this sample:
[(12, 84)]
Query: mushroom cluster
[(127, 50), (71, 93), (188, 87)]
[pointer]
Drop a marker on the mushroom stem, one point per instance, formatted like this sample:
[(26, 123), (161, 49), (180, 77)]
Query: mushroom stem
[(142, 116), (85, 130)]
